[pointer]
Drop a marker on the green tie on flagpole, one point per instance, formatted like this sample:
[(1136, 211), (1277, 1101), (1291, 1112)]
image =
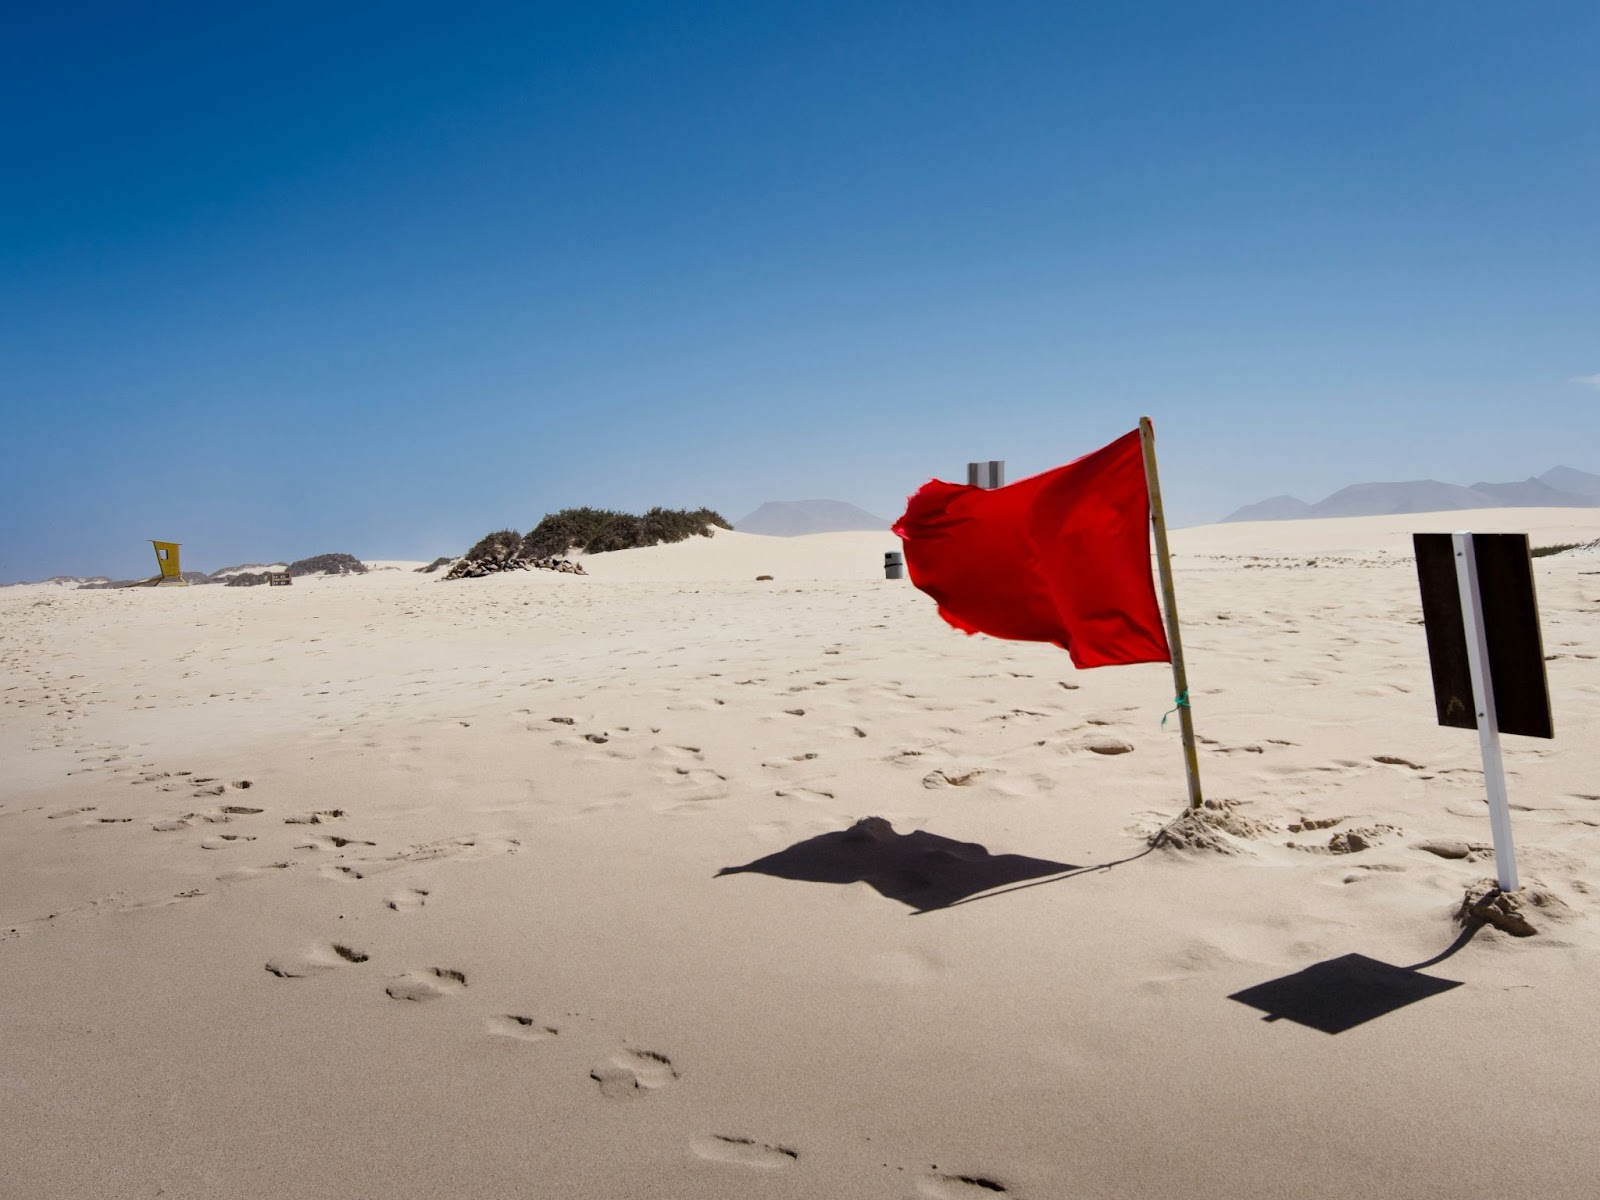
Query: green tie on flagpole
[(1180, 677)]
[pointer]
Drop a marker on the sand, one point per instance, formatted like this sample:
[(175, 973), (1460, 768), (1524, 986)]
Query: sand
[(382, 886)]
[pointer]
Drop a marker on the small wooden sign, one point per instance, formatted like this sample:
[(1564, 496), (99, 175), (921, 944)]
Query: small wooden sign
[(1510, 614), (279, 579)]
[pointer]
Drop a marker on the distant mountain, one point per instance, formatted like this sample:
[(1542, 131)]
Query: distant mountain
[(791, 518), (1530, 493), (1421, 495), (1279, 508), (1560, 487), (1565, 479)]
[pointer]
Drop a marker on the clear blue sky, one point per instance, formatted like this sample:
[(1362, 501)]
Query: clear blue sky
[(445, 268)]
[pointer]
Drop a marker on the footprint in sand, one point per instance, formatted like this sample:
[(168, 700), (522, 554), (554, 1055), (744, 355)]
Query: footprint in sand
[(1471, 851), (743, 1151), (952, 777), (320, 958), (407, 899), (244, 873), (336, 843), (523, 1029), (810, 795), (959, 1187), (430, 984), (348, 874), (219, 816), (632, 1073), (222, 841), (699, 776), (460, 847)]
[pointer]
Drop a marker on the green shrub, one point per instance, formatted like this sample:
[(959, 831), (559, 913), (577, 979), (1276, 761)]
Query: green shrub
[(557, 534), (1541, 551), (600, 530), (591, 530), (329, 564)]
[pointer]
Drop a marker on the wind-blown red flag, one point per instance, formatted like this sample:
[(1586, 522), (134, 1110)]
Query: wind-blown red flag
[(1062, 557)]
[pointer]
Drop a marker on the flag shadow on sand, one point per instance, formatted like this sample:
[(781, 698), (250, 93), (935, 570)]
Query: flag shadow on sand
[(921, 870), (1341, 993)]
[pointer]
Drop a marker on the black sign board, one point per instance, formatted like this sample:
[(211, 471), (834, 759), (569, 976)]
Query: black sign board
[(1511, 627)]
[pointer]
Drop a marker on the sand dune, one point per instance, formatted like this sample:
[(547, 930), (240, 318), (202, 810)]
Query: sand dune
[(555, 886), (1386, 535), (729, 555)]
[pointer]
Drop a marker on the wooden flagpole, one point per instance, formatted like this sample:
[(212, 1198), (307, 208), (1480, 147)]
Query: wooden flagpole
[(1180, 677)]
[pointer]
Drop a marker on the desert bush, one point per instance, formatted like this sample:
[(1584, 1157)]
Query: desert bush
[(599, 530), (444, 560), (591, 530), (329, 564), (675, 525), (557, 534)]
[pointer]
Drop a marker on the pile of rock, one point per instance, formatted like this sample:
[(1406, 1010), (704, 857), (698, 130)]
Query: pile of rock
[(505, 550), (477, 568)]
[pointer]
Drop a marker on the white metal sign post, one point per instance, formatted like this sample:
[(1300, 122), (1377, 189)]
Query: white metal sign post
[(1494, 772)]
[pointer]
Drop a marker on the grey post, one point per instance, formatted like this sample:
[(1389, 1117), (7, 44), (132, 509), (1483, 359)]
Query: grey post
[(894, 564), (991, 474)]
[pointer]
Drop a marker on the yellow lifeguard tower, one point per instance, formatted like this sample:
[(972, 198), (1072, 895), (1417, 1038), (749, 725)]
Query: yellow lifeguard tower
[(167, 561)]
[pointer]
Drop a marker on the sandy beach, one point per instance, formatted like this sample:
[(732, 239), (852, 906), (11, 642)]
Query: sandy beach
[(544, 885)]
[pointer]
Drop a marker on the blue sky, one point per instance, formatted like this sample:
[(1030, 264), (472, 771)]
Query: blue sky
[(279, 280)]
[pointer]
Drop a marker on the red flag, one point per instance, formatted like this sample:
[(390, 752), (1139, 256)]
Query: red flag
[(1060, 557)]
